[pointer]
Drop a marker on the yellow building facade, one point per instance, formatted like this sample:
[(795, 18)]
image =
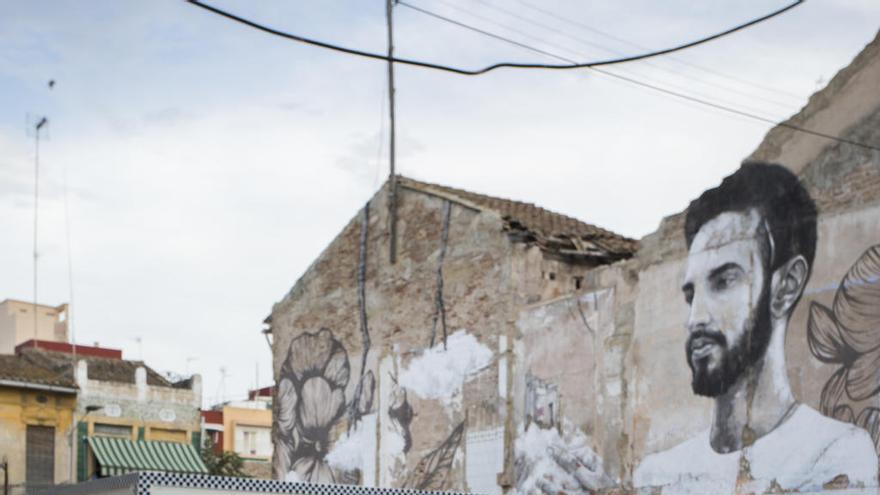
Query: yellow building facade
[(36, 426), (248, 432)]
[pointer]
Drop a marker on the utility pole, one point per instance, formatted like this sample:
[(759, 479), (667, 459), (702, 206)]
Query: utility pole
[(392, 182), (37, 128), (5, 466)]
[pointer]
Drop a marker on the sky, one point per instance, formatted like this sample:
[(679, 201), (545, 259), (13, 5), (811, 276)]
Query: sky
[(198, 166)]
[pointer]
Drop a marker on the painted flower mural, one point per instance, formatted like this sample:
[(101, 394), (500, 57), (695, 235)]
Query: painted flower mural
[(311, 395), (848, 334)]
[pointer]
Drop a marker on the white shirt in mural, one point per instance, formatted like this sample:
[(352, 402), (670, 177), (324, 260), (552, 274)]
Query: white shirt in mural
[(803, 453)]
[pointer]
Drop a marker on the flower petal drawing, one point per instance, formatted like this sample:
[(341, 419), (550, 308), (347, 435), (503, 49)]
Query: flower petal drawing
[(287, 400), (432, 471), (857, 302), (337, 368), (311, 399), (832, 392), (869, 419), (823, 335), (844, 413), (313, 470), (863, 376), (309, 354), (320, 407)]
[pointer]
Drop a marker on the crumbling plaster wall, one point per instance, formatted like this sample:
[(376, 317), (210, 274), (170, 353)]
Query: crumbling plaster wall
[(20, 408), (487, 280), (167, 407), (844, 181), (400, 307), (569, 365), (847, 99), (641, 346)]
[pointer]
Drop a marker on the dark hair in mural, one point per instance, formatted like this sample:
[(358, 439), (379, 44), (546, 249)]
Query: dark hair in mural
[(432, 472), (848, 334), (778, 196), (788, 229)]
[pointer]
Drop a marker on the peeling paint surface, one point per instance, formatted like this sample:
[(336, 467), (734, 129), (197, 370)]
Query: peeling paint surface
[(737, 352)]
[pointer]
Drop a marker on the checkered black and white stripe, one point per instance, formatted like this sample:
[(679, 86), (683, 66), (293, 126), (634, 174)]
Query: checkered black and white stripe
[(147, 480), (141, 483)]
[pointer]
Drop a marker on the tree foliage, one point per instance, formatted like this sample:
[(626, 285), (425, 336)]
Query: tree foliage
[(227, 463)]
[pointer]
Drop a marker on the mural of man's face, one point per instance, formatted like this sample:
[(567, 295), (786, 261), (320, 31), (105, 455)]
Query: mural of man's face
[(726, 286)]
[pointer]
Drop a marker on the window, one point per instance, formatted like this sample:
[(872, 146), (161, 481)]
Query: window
[(40, 456), (108, 430), (253, 441), (166, 435), (250, 442)]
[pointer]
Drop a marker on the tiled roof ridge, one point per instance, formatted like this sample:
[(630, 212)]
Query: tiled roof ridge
[(22, 369), (152, 374), (552, 231)]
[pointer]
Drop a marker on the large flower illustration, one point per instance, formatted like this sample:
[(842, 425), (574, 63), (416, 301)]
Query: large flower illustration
[(848, 334), (311, 396)]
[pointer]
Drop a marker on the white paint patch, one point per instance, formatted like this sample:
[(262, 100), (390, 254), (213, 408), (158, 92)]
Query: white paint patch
[(439, 373), (292, 477), (369, 424), (532, 450), (357, 450), (802, 454), (485, 459), (391, 442)]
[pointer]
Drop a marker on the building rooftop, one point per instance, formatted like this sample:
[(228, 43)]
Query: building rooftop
[(59, 307), (526, 222), (107, 369), (17, 368)]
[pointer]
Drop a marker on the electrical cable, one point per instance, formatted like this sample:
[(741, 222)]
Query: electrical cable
[(658, 88), (551, 14), (513, 65), (589, 65), (556, 31), (634, 76)]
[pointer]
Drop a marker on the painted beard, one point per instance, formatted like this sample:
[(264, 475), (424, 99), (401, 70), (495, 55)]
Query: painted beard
[(748, 349)]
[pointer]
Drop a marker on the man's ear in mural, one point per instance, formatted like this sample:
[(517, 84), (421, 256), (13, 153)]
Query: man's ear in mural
[(788, 283)]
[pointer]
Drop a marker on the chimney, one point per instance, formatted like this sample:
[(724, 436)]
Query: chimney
[(140, 379), (196, 387), (82, 375)]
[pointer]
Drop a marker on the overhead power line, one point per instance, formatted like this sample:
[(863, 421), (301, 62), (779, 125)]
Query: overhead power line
[(575, 54), (557, 32), (499, 65), (648, 85), (571, 63), (610, 36)]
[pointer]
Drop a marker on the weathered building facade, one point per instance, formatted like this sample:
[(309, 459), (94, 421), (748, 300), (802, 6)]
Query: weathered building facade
[(17, 323), (512, 349), (36, 422), (117, 401)]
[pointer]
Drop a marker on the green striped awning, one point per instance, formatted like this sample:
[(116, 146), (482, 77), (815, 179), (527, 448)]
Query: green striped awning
[(118, 456)]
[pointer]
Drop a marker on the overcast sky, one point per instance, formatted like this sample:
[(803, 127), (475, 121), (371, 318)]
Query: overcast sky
[(208, 163)]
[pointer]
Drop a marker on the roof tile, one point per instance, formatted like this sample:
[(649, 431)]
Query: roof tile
[(550, 230)]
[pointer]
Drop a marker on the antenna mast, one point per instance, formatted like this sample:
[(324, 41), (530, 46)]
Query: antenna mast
[(37, 129), (392, 182)]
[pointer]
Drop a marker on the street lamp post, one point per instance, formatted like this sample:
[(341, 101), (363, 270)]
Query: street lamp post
[(73, 444)]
